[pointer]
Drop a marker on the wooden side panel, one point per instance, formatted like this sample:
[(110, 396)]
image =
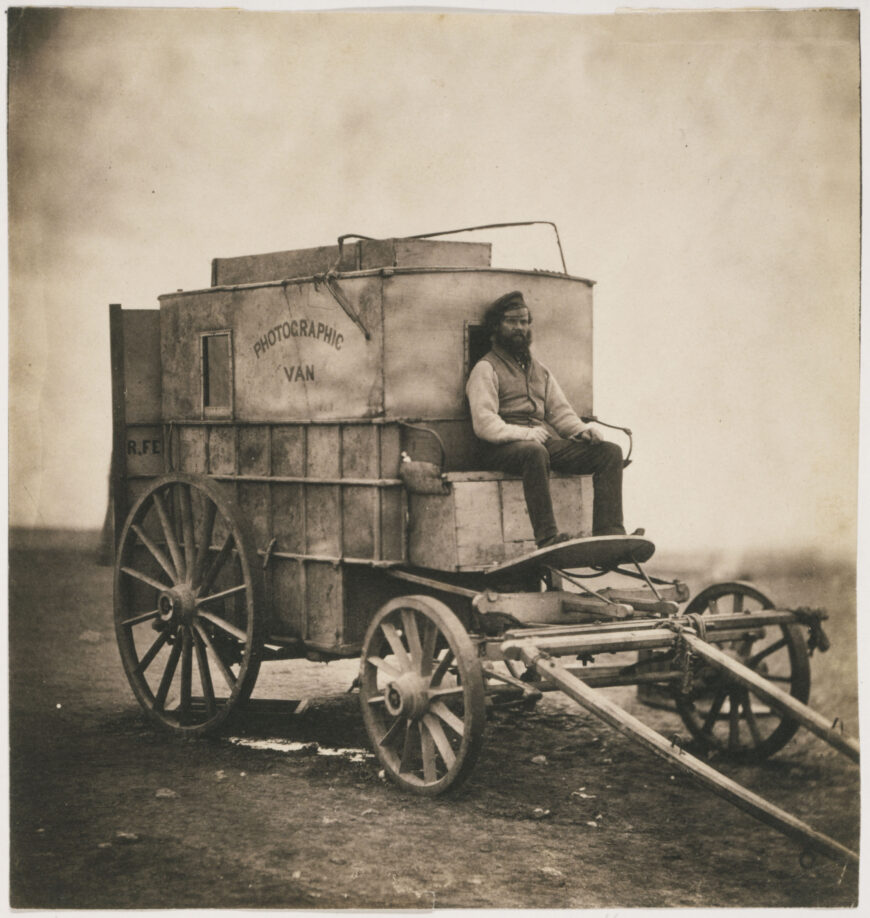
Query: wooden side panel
[(376, 253), (251, 269), (323, 518), (440, 253), (288, 451), (192, 450), (359, 451), (479, 538), (515, 517), (253, 500), (142, 377), (254, 450), (358, 526), (390, 450), (393, 545), (324, 602), (288, 516), (324, 451), (572, 500), (432, 531), (288, 605), (143, 449), (222, 450)]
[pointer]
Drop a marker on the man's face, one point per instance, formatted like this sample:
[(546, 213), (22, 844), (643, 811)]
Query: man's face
[(515, 330)]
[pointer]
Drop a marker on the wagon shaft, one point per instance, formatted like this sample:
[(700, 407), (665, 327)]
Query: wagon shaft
[(768, 692), (537, 652)]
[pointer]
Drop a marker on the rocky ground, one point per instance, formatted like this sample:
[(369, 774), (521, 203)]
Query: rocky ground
[(560, 812)]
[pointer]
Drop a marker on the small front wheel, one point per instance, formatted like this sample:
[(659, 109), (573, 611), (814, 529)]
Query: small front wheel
[(721, 713), (422, 694)]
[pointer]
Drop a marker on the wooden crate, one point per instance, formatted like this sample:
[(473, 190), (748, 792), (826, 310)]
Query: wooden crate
[(482, 520)]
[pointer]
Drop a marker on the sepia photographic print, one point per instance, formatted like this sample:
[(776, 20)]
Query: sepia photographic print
[(433, 457)]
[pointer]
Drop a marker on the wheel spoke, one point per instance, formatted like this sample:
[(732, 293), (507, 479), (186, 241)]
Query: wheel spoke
[(430, 639), (142, 617), (713, 607), (454, 690), (169, 534), (412, 636), (168, 674), (407, 748), (204, 674), (786, 679), (385, 667), (441, 741), (734, 721), (393, 733), (157, 554), (152, 652), (224, 625), (753, 662), (427, 747), (396, 644), (186, 673), (442, 667), (225, 670), (715, 708), (222, 595), (138, 575), (217, 564), (185, 507), (751, 722), (737, 605), (206, 533), (441, 710)]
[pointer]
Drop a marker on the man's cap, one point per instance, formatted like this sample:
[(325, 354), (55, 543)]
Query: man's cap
[(512, 300)]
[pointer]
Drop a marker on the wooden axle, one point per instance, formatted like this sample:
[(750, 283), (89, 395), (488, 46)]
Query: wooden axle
[(591, 643)]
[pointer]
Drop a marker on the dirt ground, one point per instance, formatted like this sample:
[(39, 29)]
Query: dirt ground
[(108, 813)]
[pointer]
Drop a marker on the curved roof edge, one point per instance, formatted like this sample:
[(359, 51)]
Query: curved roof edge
[(374, 272)]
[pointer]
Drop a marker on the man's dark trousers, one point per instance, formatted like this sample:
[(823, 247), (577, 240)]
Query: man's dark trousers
[(533, 461)]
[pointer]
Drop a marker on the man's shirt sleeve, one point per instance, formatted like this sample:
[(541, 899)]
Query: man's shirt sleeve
[(558, 411), (482, 392)]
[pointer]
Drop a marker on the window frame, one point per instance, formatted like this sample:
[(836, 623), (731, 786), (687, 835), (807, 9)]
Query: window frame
[(216, 411)]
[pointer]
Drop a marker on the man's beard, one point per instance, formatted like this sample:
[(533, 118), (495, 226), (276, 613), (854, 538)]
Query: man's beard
[(516, 343)]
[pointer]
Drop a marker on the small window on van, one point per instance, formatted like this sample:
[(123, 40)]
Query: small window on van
[(477, 344), (217, 373)]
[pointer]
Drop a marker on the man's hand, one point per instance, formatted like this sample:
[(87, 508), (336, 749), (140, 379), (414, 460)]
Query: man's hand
[(540, 434), (590, 434)]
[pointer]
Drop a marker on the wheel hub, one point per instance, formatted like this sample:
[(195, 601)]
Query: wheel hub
[(177, 605), (407, 696)]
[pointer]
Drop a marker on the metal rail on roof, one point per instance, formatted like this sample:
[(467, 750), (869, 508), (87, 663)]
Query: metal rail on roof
[(466, 229)]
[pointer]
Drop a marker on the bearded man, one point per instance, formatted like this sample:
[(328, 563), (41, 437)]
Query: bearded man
[(527, 426)]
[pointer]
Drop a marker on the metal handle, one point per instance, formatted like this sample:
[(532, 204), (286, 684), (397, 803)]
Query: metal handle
[(591, 419)]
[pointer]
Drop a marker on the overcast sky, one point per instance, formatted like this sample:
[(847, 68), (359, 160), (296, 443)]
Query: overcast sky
[(703, 169)]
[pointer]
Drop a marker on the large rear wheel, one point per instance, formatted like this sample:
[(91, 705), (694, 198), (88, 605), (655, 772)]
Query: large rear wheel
[(188, 604)]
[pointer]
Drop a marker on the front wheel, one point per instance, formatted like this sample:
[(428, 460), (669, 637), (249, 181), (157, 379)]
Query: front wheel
[(422, 694), (721, 714)]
